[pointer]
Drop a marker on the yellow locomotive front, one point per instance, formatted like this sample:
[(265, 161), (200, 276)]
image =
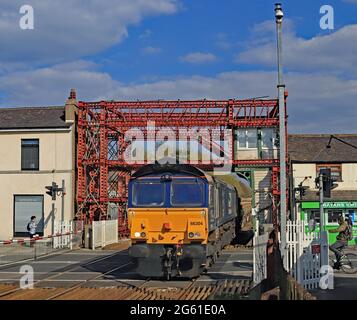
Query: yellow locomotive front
[(168, 220)]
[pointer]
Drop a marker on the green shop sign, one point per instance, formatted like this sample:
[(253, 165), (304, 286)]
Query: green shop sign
[(330, 205)]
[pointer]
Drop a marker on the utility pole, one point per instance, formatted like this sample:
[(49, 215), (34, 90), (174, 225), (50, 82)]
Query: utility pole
[(321, 192), (282, 132)]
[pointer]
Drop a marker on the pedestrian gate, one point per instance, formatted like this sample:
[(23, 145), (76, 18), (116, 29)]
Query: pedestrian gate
[(307, 252), (63, 235), (259, 256), (104, 232)]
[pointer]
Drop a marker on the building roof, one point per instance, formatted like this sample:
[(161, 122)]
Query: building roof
[(311, 148), (336, 195), (33, 118)]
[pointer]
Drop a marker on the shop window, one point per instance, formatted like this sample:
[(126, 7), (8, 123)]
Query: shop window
[(333, 215), (336, 170), (351, 214), (313, 215)]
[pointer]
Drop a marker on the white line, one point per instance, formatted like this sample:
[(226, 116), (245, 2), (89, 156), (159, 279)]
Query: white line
[(49, 273), (232, 261), (231, 273)]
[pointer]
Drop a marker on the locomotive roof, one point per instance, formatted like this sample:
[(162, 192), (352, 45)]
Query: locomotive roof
[(232, 179), (167, 167)]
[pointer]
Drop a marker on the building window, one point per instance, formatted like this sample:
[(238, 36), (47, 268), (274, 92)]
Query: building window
[(268, 138), (247, 139), (26, 206), (336, 170), (29, 154)]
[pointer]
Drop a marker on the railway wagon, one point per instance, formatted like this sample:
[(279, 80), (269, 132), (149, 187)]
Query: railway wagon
[(180, 218)]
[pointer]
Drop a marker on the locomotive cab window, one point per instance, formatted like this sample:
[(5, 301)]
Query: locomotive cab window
[(187, 193), (148, 194)]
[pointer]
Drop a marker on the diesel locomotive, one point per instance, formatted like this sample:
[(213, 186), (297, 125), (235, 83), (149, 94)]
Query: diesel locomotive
[(180, 219)]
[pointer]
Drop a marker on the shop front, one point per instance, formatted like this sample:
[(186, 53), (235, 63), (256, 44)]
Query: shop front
[(310, 210)]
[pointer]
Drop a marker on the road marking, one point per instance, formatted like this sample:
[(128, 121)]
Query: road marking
[(233, 261), (231, 273)]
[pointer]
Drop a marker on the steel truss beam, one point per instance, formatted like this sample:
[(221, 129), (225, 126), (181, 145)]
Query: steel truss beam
[(103, 174)]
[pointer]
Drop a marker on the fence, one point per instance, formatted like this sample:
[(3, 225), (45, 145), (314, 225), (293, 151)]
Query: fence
[(67, 236), (307, 253), (259, 256), (65, 228), (104, 232)]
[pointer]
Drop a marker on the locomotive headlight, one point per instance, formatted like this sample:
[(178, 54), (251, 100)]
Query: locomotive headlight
[(197, 234), (137, 234), (143, 235), (191, 235)]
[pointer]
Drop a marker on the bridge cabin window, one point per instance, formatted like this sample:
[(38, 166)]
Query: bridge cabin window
[(247, 139), (268, 136)]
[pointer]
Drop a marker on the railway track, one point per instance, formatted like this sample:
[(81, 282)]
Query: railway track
[(222, 289), (148, 290)]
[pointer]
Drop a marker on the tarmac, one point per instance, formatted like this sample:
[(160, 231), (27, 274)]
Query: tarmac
[(113, 268)]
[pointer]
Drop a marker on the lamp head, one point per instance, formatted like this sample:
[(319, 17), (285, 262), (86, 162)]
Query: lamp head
[(279, 13)]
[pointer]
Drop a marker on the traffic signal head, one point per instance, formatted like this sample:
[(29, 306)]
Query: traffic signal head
[(52, 190), (328, 182)]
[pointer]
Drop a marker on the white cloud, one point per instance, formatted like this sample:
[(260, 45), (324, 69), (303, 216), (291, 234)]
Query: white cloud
[(151, 50), (70, 29), (316, 103), (335, 52), (198, 57)]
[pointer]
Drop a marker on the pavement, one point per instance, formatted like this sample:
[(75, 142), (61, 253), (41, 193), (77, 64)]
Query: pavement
[(112, 268), (344, 286)]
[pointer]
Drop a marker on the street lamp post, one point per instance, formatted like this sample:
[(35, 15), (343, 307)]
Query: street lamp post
[(340, 140), (282, 132)]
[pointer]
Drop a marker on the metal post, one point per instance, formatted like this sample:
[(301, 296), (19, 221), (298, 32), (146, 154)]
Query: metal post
[(321, 191), (53, 218), (282, 132), (62, 198), (323, 233)]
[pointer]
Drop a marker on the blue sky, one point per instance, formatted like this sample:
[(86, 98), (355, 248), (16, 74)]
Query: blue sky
[(171, 49)]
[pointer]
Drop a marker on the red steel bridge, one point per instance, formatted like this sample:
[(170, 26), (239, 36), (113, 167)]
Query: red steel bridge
[(102, 171)]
